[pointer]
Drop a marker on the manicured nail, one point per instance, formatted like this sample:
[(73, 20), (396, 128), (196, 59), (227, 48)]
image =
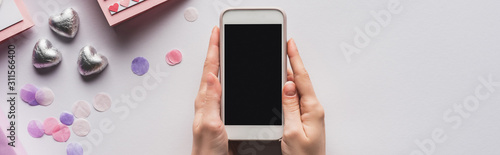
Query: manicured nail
[(290, 89)]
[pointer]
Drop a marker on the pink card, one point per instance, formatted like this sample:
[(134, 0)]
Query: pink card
[(17, 27), (5, 137), (117, 11)]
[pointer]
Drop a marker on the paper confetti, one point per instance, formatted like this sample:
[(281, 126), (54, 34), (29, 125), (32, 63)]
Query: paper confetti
[(140, 66), (66, 118), (61, 133), (35, 129), (44, 96), (81, 127), (174, 57), (81, 109), (102, 102), (74, 149), (28, 94), (50, 124), (191, 14)]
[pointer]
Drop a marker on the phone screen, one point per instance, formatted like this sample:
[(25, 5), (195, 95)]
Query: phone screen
[(253, 75)]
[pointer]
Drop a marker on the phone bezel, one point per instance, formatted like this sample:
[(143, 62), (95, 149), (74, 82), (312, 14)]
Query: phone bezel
[(252, 16)]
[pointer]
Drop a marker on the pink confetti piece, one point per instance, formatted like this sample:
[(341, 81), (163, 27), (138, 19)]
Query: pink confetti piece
[(27, 94), (81, 127), (44, 96), (191, 14), (102, 102), (50, 124), (61, 134), (35, 129), (173, 57), (81, 109)]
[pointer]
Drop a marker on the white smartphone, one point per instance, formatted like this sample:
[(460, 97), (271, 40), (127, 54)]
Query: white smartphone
[(253, 72)]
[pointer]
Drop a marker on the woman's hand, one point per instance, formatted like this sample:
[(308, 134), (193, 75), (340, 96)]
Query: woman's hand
[(209, 134), (304, 128)]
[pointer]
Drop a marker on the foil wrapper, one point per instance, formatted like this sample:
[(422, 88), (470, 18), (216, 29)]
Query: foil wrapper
[(66, 23), (44, 55), (90, 62)]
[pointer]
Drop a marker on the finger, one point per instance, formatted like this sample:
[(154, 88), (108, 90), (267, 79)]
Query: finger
[(212, 60), (211, 65), (310, 107), (291, 110), (211, 108), (300, 75), (289, 74)]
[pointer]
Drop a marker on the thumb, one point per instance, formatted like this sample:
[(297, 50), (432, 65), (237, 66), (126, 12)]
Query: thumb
[(291, 108)]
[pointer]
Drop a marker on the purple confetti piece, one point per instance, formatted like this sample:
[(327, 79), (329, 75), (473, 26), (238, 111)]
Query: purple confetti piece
[(28, 94), (140, 66), (66, 118), (35, 129), (74, 149)]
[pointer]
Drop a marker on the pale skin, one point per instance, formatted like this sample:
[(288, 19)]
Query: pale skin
[(304, 127)]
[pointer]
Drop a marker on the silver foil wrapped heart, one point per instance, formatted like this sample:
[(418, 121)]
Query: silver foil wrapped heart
[(90, 62), (66, 23), (44, 55)]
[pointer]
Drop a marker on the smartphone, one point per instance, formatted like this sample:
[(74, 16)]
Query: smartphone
[(253, 72)]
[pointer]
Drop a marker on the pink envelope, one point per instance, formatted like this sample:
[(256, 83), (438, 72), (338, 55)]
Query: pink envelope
[(138, 6), (19, 27)]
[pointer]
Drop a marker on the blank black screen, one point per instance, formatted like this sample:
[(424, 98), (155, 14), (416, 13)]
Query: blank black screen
[(252, 74)]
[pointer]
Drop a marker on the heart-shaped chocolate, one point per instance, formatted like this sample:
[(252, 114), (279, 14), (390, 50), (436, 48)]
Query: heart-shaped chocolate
[(44, 55), (90, 62), (66, 23)]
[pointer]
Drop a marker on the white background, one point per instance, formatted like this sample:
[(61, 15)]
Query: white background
[(394, 92)]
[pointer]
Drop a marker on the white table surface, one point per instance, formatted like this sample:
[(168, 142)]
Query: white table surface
[(393, 94)]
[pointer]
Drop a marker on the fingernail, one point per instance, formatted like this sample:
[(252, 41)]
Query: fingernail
[(290, 89)]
